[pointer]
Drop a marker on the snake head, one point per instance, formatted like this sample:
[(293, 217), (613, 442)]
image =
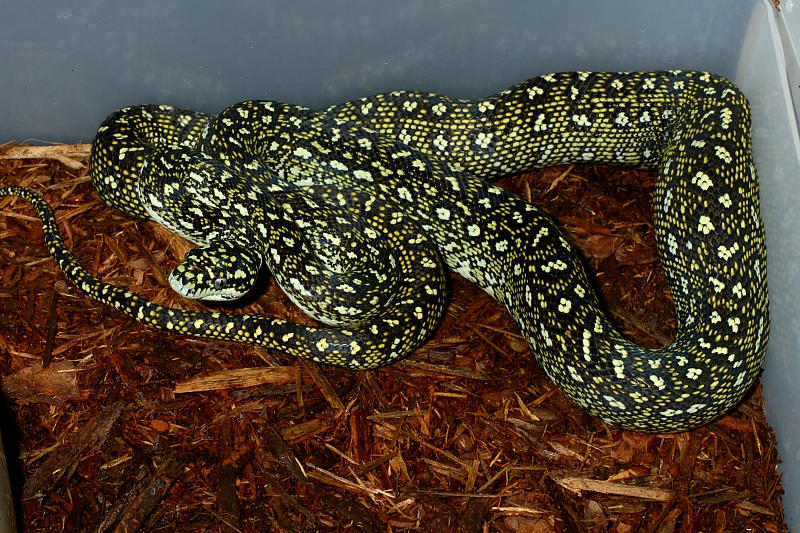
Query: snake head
[(220, 271)]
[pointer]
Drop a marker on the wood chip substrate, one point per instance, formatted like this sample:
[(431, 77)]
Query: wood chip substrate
[(112, 426)]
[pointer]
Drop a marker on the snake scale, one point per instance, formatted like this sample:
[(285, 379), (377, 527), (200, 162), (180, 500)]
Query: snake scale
[(267, 183)]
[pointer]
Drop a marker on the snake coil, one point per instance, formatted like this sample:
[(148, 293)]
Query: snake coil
[(415, 164)]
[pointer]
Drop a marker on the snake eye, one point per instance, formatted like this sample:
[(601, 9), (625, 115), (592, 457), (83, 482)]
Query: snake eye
[(220, 283)]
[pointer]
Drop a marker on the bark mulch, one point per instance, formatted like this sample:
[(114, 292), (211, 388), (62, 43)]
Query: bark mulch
[(113, 426)]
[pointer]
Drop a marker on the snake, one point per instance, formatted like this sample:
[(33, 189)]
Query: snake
[(264, 181)]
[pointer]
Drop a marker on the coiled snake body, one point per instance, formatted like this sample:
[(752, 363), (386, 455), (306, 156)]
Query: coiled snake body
[(414, 165)]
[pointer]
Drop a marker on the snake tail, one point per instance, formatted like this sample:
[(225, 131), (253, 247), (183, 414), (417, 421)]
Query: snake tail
[(334, 346)]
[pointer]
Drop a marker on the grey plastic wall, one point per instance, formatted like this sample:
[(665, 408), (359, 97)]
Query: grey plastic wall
[(66, 65), (768, 71)]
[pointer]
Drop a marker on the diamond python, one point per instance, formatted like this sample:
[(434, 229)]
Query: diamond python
[(420, 159)]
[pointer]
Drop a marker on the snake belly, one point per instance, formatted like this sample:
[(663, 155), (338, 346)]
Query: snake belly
[(427, 155)]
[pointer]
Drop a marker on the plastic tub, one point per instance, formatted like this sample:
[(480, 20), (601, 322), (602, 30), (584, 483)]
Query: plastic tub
[(66, 65)]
